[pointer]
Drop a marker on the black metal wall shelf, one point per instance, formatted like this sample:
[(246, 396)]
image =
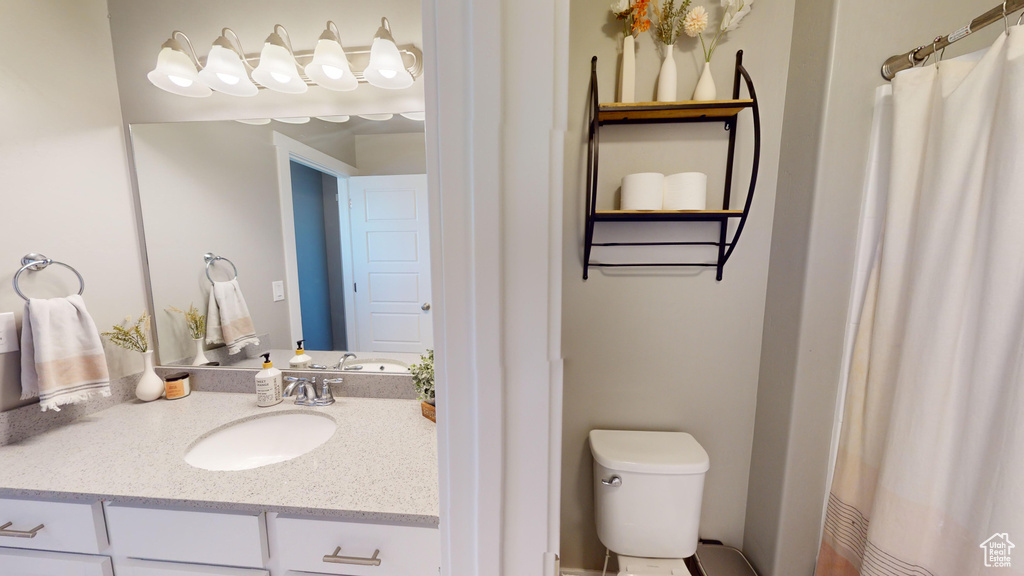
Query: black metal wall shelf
[(725, 111)]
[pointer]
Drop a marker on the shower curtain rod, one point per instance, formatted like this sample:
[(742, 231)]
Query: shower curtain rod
[(921, 53)]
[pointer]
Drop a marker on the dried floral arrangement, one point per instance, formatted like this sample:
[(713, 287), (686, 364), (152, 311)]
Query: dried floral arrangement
[(696, 22), (131, 336), (195, 320), (669, 21), (634, 15), (423, 376)]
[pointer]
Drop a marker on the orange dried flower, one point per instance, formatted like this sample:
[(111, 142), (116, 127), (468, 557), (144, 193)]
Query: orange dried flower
[(641, 20)]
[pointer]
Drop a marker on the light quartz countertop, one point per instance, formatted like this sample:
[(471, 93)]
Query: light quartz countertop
[(380, 465)]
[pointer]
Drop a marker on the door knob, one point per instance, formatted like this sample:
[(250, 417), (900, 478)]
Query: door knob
[(425, 307)]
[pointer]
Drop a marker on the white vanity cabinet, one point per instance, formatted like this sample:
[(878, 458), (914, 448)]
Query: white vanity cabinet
[(17, 562), (320, 546)]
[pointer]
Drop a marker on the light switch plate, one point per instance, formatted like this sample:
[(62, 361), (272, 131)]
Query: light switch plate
[(8, 333), (278, 290)]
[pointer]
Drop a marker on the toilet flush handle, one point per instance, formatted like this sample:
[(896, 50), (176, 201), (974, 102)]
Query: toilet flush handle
[(613, 481)]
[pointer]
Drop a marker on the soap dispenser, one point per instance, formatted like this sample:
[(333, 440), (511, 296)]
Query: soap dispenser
[(268, 384), (301, 360)]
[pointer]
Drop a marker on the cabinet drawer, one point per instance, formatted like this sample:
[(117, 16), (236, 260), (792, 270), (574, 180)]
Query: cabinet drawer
[(67, 526), (33, 563), (146, 568), (188, 536), (301, 544)]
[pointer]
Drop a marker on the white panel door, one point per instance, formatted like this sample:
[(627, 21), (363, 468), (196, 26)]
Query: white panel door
[(34, 563), (391, 263)]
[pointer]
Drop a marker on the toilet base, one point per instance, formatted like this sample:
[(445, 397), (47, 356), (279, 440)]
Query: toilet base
[(634, 566)]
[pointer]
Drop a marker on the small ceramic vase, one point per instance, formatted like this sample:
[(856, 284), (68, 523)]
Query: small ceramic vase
[(150, 386), (705, 90), (200, 358), (627, 86), (667, 76)]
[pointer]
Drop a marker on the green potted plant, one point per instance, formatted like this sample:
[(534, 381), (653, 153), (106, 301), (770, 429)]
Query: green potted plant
[(423, 380)]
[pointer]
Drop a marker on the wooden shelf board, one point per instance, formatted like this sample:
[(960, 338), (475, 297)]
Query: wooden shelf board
[(655, 111)]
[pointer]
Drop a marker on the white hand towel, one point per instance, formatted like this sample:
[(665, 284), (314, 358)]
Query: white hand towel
[(227, 318), (62, 359)]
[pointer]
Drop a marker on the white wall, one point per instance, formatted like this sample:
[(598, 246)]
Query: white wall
[(662, 349), (210, 187), (388, 154), (833, 75), (63, 169)]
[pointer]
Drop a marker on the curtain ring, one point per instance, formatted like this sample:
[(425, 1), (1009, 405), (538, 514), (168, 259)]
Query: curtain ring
[(1021, 19), (912, 56), (1006, 20)]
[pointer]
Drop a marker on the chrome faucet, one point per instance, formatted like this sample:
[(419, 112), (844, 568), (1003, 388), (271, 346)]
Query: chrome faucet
[(341, 363), (305, 391)]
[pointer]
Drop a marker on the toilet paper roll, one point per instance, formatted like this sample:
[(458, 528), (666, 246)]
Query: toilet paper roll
[(642, 191), (686, 191)]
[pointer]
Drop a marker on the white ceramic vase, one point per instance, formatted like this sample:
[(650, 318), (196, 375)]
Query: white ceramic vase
[(705, 90), (627, 81), (150, 386), (667, 76), (200, 358)]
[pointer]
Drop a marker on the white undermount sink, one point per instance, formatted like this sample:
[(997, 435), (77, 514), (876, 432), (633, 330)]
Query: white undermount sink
[(266, 439)]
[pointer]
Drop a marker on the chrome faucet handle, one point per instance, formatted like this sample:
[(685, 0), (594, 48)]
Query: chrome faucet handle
[(326, 397), (317, 367), (305, 393)]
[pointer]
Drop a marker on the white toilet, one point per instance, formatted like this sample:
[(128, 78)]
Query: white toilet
[(647, 494)]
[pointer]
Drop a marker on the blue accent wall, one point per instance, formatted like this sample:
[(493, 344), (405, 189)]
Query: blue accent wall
[(311, 246)]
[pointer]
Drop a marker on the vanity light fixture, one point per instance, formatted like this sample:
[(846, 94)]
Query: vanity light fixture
[(176, 71), (377, 117), (278, 69), (386, 68), (329, 67), (226, 69), (418, 116), (336, 119), (255, 121), (294, 120)]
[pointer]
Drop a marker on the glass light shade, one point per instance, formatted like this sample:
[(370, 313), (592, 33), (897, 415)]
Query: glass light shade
[(418, 116), (277, 69), (386, 69), (329, 67), (294, 120), (377, 117), (335, 119), (176, 73), (255, 121), (224, 72)]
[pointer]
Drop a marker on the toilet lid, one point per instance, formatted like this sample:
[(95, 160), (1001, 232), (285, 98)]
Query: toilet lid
[(649, 452)]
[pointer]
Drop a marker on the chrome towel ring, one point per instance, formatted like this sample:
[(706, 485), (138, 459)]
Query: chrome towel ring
[(210, 258), (36, 262)]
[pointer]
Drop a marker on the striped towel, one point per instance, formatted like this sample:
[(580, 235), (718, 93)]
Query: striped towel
[(227, 318), (62, 359)]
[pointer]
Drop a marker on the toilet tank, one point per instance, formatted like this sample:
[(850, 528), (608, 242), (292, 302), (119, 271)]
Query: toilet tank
[(647, 491)]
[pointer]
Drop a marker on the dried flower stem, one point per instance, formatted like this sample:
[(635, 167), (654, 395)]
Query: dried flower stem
[(131, 337)]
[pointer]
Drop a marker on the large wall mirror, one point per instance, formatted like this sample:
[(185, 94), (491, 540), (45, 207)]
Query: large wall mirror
[(323, 223)]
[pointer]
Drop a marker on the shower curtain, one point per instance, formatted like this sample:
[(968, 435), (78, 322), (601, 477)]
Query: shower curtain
[(929, 478)]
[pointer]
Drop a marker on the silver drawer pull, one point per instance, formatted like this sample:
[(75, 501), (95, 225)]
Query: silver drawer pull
[(19, 533), (335, 559), (613, 481)]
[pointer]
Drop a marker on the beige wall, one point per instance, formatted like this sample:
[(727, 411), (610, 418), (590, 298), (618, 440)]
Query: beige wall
[(828, 119), (388, 154), (63, 169), (210, 187), (660, 349)]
